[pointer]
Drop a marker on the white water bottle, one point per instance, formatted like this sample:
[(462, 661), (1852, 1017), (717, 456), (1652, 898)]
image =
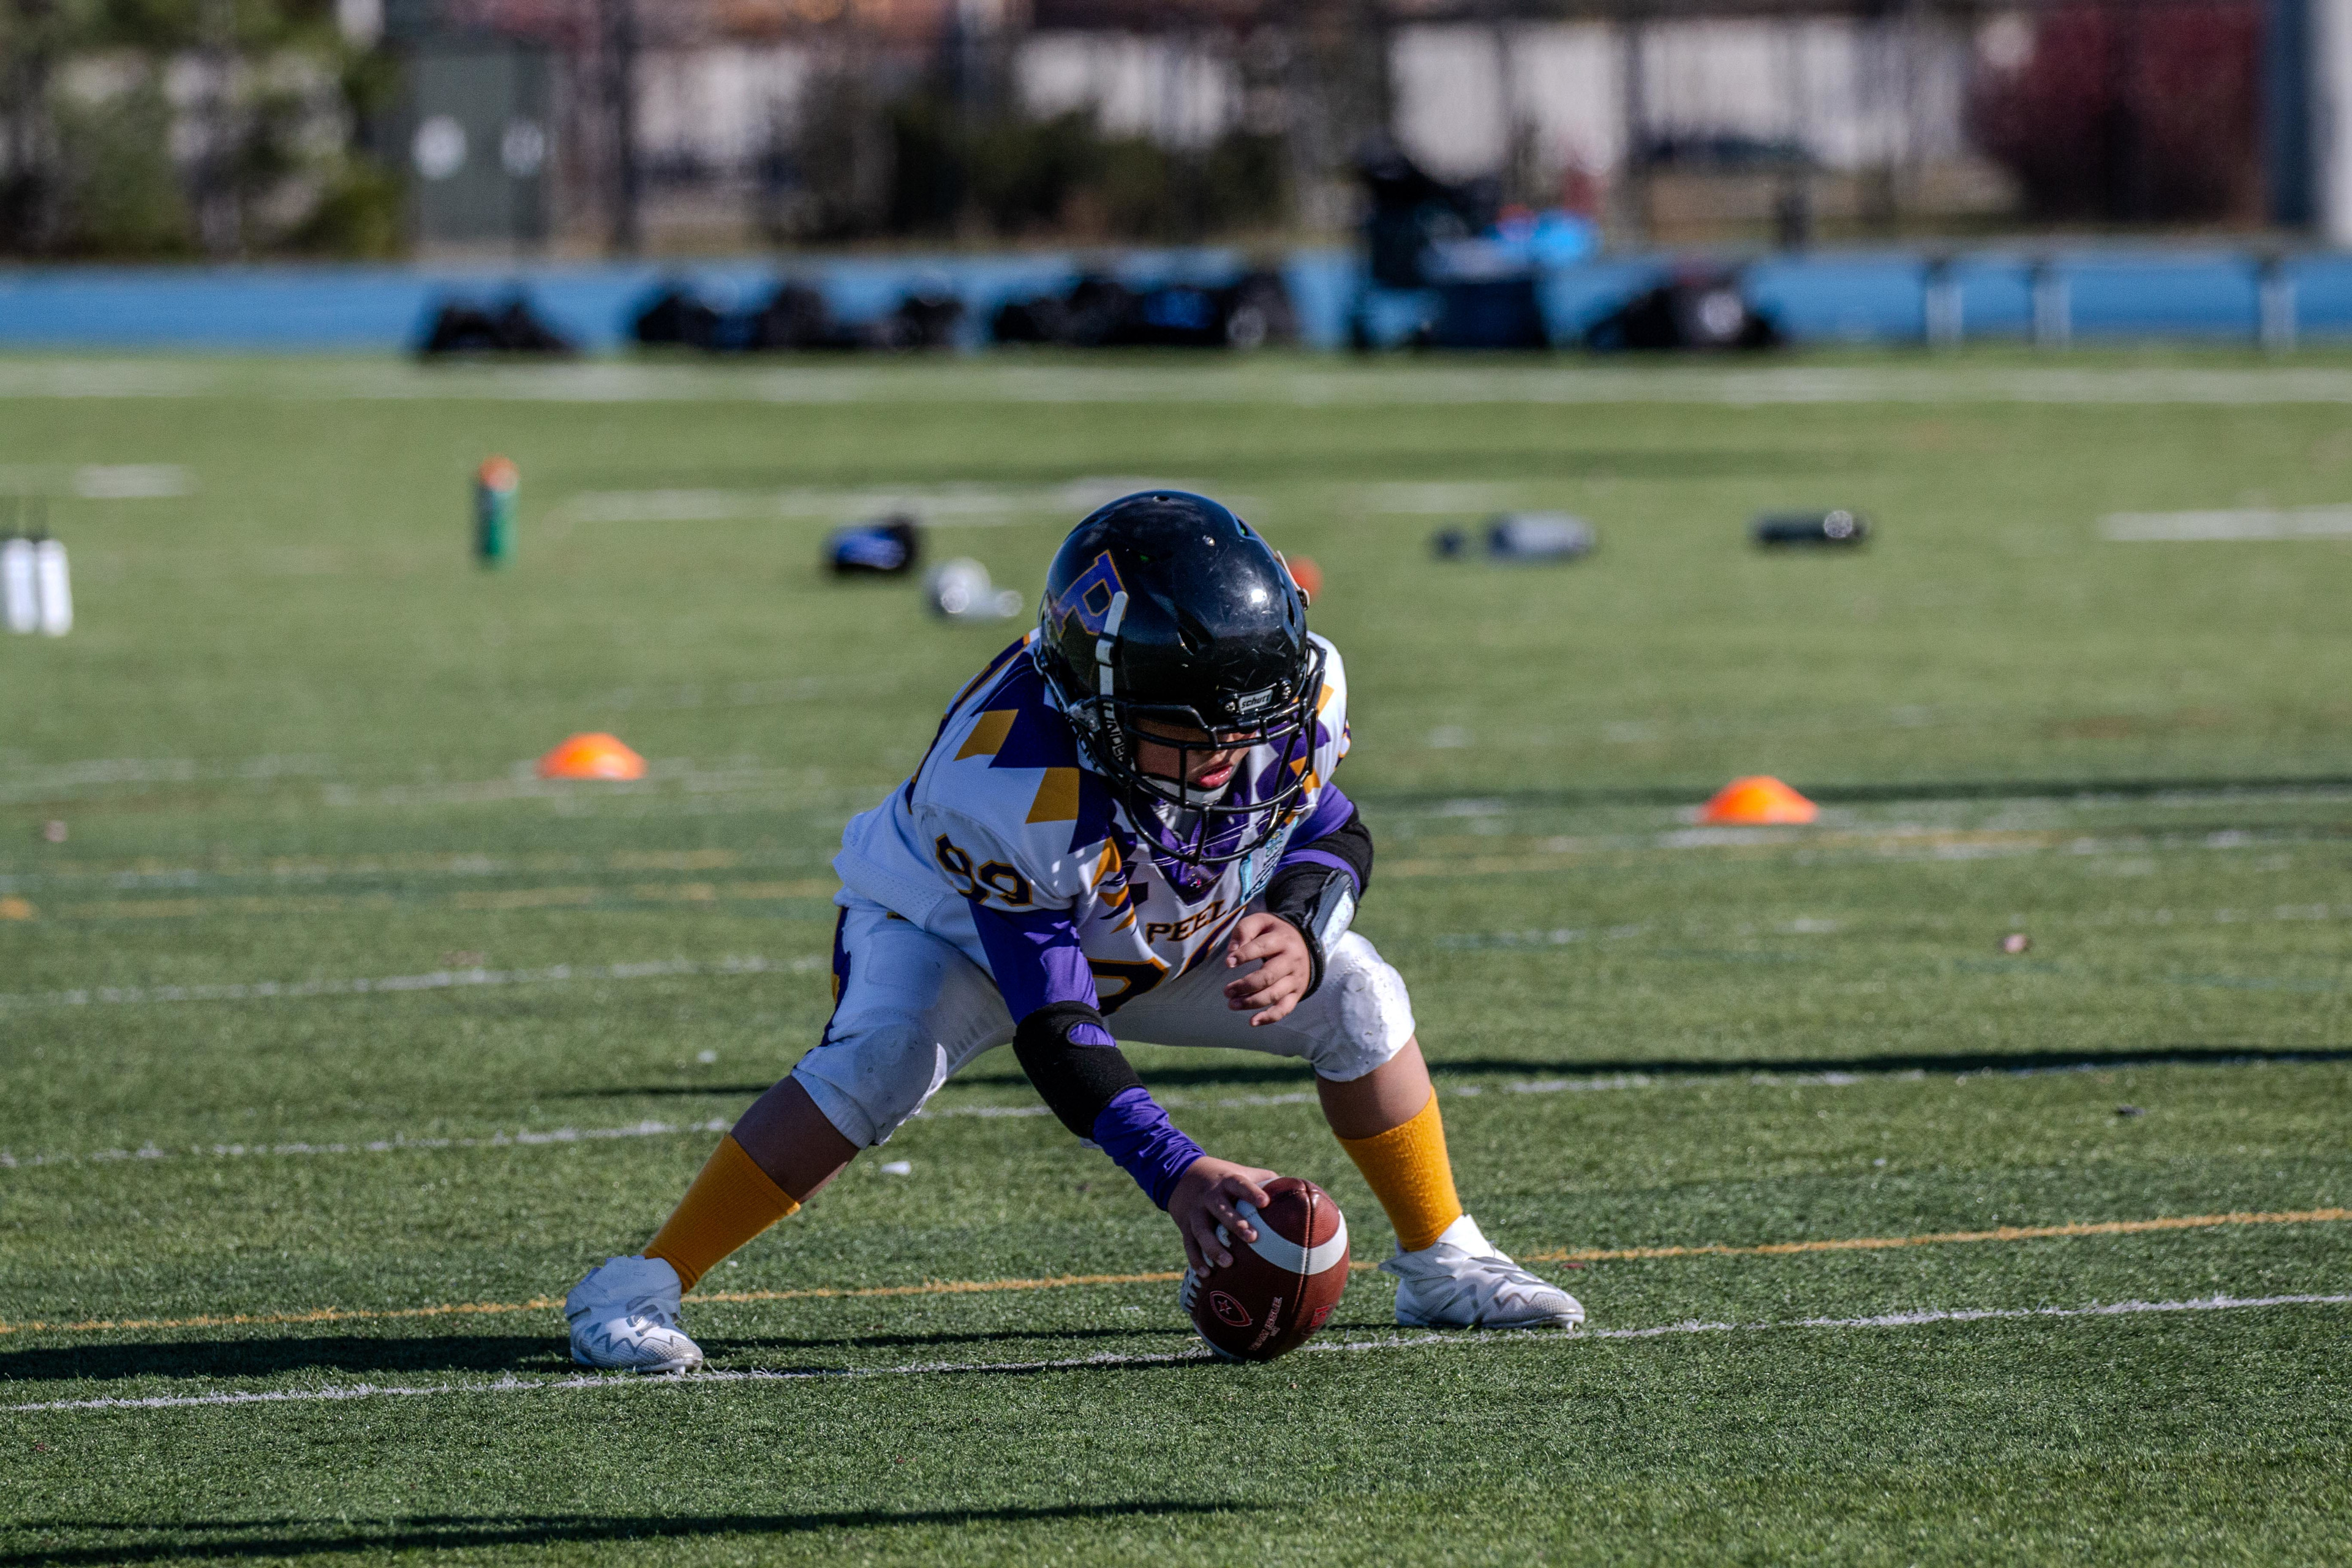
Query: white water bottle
[(53, 585), (20, 597)]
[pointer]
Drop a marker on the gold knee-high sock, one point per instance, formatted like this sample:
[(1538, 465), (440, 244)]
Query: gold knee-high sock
[(731, 1201), (1411, 1175)]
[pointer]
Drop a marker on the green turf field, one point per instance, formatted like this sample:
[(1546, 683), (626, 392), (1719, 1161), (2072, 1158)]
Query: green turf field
[(332, 1045)]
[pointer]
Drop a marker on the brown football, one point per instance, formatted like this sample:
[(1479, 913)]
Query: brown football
[(1278, 1288)]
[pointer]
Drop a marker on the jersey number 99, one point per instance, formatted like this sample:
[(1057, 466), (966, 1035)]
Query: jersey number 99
[(994, 879)]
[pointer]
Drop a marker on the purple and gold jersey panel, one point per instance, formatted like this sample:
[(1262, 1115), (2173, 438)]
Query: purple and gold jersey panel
[(1021, 823), (994, 668), (1332, 737), (1332, 812), (1003, 818)]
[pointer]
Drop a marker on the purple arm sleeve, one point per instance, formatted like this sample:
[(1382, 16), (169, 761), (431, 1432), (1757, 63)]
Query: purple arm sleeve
[(1036, 960), (1134, 1130), (1332, 812)]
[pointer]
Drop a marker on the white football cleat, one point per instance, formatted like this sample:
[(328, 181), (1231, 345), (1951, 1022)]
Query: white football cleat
[(1462, 1280), (625, 1318)]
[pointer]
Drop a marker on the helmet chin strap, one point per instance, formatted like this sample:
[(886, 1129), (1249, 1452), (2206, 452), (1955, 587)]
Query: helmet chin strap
[(1197, 798)]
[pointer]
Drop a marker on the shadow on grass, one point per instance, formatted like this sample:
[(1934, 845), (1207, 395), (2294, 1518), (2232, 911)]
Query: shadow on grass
[(664, 1091), (735, 1343), (289, 1537), (544, 1353), (1257, 1071), (1243, 1073), (270, 1357), (1360, 1316)]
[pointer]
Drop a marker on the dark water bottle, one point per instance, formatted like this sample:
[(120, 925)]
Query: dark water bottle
[(1814, 527)]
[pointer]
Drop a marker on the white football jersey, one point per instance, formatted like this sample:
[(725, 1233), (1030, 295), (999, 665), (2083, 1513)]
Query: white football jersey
[(1005, 812)]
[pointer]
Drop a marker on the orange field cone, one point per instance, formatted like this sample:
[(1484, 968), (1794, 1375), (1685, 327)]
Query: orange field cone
[(595, 755), (1306, 575), (1757, 799)]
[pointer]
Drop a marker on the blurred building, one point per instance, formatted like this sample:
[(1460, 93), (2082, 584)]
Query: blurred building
[(582, 125)]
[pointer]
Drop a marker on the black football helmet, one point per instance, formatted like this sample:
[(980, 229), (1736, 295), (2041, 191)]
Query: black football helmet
[(1165, 608)]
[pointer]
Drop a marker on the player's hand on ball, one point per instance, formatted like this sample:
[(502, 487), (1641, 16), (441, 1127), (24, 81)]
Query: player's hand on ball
[(1281, 977), (1204, 1199)]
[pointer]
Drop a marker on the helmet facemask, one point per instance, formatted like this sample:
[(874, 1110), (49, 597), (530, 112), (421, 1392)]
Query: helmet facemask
[(1168, 623), (1200, 827)]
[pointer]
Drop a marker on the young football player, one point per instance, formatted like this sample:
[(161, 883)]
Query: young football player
[(1125, 825)]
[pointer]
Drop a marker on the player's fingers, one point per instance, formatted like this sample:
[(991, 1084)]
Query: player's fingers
[(1284, 968), (1254, 989), (1240, 1189), (1220, 1205), (1270, 935), (1237, 947), (1242, 950), (1283, 1000), (1271, 980), (1273, 977), (1282, 976), (1204, 1234), (1278, 1007), (1249, 1187)]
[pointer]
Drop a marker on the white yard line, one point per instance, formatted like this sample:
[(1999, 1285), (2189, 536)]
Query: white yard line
[(1455, 1090), (665, 778), (98, 482), (526, 1140), (480, 866), (971, 503), (2250, 522), (512, 1385), (1438, 499), (437, 980), (63, 781)]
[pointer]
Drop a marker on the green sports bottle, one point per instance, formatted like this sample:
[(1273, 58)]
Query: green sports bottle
[(495, 487)]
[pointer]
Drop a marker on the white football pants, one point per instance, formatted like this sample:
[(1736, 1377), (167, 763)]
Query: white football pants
[(913, 1010)]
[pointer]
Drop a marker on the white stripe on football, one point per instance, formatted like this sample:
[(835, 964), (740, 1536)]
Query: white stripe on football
[(1288, 1255)]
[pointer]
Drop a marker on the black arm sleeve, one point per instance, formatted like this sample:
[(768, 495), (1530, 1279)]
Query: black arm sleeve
[(1352, 841), (1318, 898), (1075, 1081)]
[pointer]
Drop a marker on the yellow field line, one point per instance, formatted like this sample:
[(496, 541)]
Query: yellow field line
[(946, 1288), (1946, 1238), (1062, 1281)]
